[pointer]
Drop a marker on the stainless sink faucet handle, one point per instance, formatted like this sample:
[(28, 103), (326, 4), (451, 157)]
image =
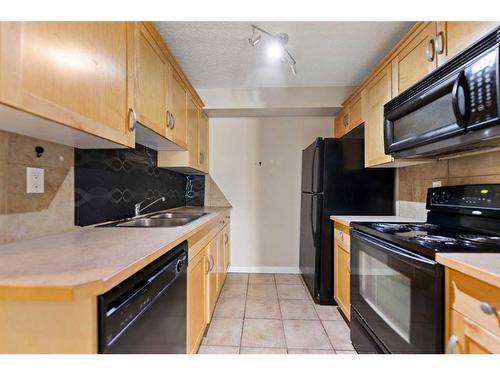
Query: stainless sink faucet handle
[(138, 209)]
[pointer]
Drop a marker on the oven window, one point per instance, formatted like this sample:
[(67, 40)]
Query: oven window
[(435, 115), (388, 292)]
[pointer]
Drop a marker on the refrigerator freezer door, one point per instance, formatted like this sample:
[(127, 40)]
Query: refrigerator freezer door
[(312, 167), (310, 240)]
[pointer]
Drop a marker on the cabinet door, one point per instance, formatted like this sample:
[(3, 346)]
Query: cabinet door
[(73, 73), (342, 273), (203, 142), (178, 108), (453, 37), (193, 129), (212, 293), (196, 301), (342, 123), (374, 97), (220, 261), (416, 59), (227, 247), (467, 337), (150, 69)]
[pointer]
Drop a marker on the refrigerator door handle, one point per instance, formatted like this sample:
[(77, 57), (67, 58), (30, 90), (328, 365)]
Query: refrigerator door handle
[(313, 188)]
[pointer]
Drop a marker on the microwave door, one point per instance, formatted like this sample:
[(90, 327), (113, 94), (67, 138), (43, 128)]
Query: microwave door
[(439, 112), (398, 295)]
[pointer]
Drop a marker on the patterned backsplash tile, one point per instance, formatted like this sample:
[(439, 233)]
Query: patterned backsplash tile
[(109, 182)]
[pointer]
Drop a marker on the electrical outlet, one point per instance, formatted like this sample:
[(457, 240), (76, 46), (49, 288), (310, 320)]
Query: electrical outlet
[(35, 180), (436, 183)]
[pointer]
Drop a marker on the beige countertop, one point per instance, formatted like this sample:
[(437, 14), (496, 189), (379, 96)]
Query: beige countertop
[(484, 266), (348, 219), (87, 261)]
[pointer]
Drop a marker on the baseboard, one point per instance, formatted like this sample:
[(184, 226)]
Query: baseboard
[(264, 269)]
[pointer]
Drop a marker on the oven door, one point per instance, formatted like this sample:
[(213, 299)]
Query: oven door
[(398, 295), (439, 112)]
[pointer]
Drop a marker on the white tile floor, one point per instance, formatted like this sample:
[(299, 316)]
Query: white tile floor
[(273, 314)]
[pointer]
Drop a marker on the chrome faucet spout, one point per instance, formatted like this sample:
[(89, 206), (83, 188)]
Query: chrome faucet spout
[(138, 209)]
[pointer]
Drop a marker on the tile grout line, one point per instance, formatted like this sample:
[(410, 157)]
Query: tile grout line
[(244, 314), (281, 315)]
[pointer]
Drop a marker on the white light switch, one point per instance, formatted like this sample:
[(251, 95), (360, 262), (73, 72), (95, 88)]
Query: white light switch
[(436, 183), (34, 180)]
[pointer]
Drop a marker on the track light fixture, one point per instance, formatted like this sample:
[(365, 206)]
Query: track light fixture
[(276, 50)]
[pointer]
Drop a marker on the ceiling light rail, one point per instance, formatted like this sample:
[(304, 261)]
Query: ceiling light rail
[(275, 50)]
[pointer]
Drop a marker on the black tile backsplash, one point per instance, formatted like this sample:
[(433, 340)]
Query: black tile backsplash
[(109, 182)]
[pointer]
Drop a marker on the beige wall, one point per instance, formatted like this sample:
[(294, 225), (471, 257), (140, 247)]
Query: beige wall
[(25, 215), (265, 199), (414, 181)]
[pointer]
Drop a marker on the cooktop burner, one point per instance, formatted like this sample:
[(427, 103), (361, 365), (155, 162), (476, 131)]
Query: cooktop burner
[(439, 239), (478, 238), (391, 227)]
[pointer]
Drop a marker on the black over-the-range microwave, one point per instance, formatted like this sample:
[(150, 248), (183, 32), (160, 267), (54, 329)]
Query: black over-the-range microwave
[(453, 109)]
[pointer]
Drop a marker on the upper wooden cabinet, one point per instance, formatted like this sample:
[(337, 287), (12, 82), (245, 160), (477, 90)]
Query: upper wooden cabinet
[(150, 71), (415, 60), (178, 103), (73, 74), (195, 159), (452, 37), (349, 117), (203, 142), (375, 95)]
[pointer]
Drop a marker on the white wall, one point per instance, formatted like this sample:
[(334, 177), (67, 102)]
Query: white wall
[(265, 199)]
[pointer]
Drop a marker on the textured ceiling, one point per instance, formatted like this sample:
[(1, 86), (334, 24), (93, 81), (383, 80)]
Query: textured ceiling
[(218, 55)]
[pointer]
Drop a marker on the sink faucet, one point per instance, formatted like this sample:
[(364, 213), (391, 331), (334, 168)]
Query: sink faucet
[(138, 209)]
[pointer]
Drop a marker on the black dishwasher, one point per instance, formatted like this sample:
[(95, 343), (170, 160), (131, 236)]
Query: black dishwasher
[(146, 314)]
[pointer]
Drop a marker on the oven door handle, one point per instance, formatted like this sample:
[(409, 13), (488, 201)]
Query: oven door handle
[(394, 250)]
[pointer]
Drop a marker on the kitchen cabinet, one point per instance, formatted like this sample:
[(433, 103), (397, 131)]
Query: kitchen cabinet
[(471, 315), (150, 70), (227, 247), (196, 303), (452, 37), (72, 76), (221, 272), (188, 162), (341, 270), (415, 60), (349, 118), (178, 111), (203, 142), (212, 290), (375, 95)]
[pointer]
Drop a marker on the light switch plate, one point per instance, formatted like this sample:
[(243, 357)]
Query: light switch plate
[(436, 183), (35, 180)]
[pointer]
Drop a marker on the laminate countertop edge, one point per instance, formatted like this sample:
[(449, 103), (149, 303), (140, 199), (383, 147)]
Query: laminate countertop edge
[(47, 291), (484, 267)]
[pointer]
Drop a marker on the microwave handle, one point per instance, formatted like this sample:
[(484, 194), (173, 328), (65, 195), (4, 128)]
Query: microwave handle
[(460, 99)]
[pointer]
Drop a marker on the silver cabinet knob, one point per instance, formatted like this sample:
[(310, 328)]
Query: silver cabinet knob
[(487, 308), (430, 51), (173, 121), (452, 342), (131, 126)]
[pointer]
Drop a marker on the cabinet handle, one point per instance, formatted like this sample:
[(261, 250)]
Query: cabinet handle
[(131, 127), (430, 50), (439, 43), (168, 119), (213, 263), (201, 158), (487, 308), (349, 264), (452, 342), (226, 237), (173, 121)]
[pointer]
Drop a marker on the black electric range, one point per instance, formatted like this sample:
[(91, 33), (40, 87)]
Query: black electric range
[(396, 284)]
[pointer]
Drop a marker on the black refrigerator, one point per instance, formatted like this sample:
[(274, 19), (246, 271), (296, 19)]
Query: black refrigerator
[(335, 181)]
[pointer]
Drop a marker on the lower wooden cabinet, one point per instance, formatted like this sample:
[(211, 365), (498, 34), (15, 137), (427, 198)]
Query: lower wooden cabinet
[(212, 291), (472, 318), (341, 269), (227, 248), (196, 305)]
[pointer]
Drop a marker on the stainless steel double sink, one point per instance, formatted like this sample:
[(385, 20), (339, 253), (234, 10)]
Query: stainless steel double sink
[(159, 220)]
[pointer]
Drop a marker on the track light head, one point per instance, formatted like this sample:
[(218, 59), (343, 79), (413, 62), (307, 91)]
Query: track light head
[(255, 38)]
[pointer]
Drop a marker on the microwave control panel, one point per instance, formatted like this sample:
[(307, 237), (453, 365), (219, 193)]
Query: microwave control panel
[(482, 77)]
